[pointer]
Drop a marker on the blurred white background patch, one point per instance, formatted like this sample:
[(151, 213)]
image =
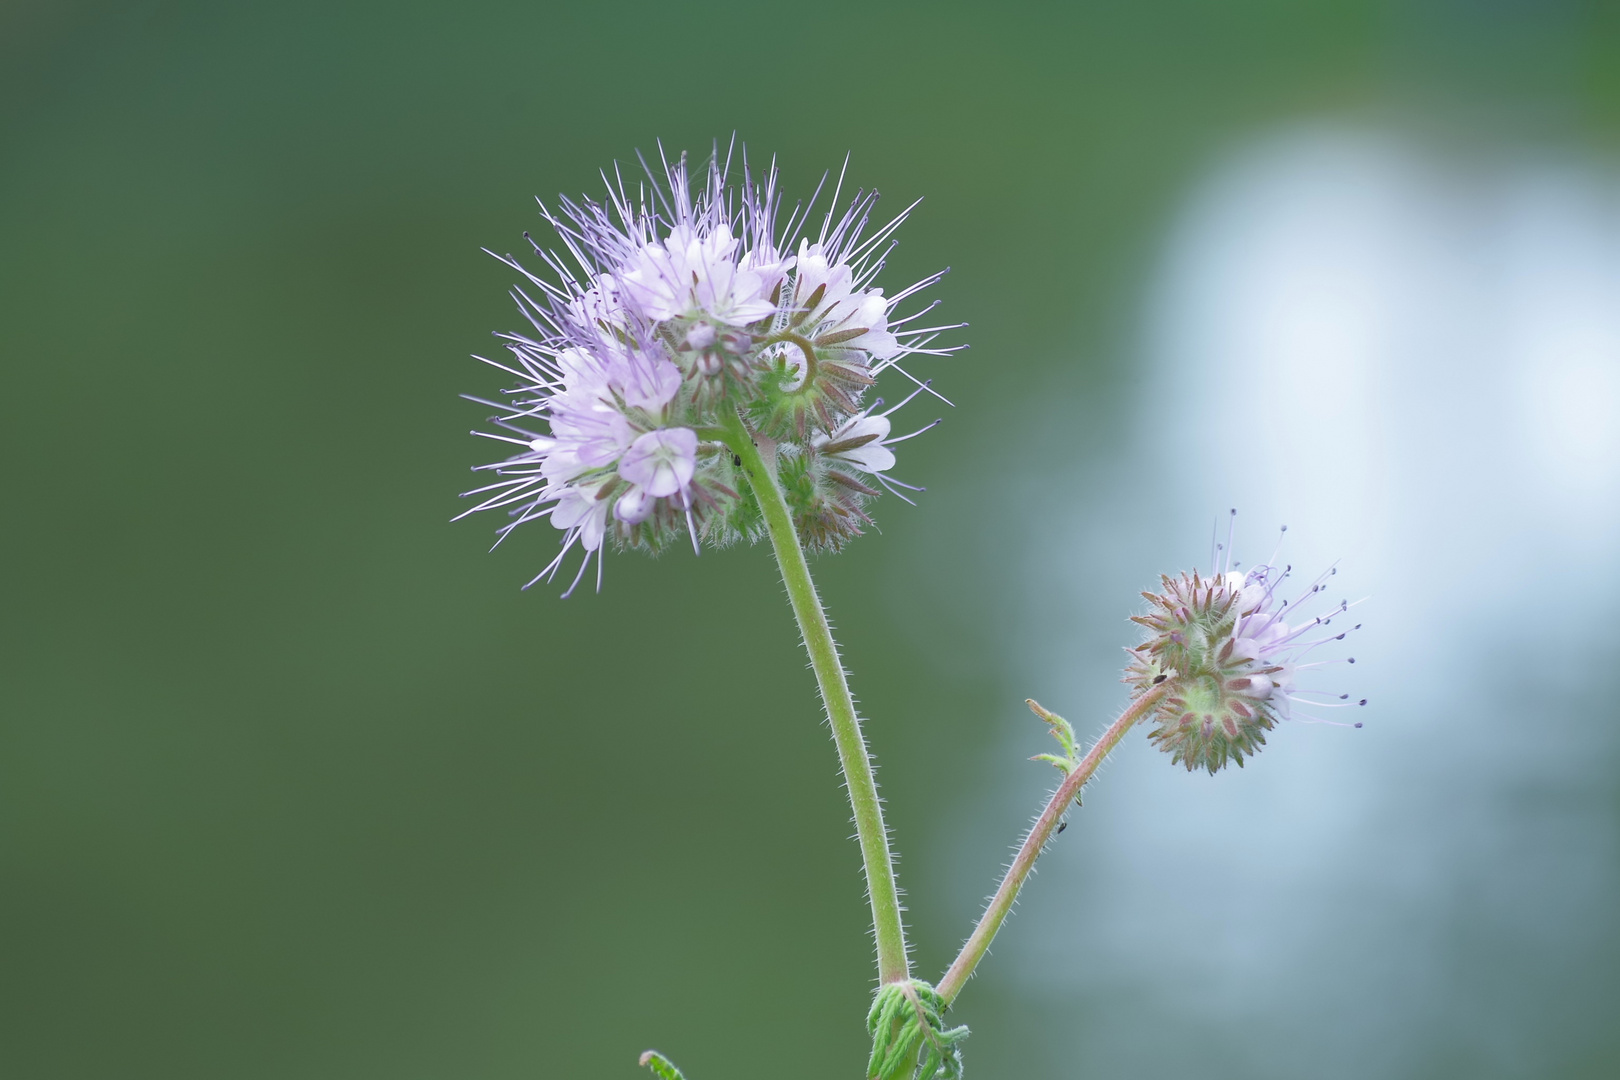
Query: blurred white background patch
[(1412, 360)]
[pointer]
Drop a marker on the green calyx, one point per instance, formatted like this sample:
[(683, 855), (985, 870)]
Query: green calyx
[(909, 1038), (1203, 726), (828, 503), (826, 500)]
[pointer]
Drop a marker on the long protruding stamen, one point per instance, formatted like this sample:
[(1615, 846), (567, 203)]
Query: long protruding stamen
[(902, 438), (1231, 523)]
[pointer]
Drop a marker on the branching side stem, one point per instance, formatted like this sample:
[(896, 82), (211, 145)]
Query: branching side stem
[(893, 964), (995, 913)]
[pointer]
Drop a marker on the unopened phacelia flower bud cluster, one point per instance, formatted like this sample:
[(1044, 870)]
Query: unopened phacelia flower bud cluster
[(669, 313), (1230, 661)]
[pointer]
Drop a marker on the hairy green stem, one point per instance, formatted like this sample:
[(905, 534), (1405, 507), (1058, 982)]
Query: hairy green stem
[(995, 913), (893, 964)]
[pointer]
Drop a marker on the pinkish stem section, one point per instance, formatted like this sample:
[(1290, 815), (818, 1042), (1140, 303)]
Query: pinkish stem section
[(1001, 904)]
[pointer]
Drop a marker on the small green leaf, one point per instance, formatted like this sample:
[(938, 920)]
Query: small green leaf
[(661, 1066), (909, 1037), (1061, 731)]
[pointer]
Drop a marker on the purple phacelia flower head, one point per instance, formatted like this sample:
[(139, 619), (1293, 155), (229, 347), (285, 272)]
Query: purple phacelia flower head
[(669, 308)]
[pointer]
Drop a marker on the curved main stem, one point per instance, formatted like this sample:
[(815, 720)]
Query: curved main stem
[(893, 964), (1000, 904)]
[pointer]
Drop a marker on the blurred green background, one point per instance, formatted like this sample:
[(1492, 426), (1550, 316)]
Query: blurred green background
[(295, 782)]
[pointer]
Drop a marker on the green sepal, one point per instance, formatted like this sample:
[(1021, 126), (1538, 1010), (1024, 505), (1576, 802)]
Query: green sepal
[(828, 504), (1064, 765), (909, 1038), (661, 1066)]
